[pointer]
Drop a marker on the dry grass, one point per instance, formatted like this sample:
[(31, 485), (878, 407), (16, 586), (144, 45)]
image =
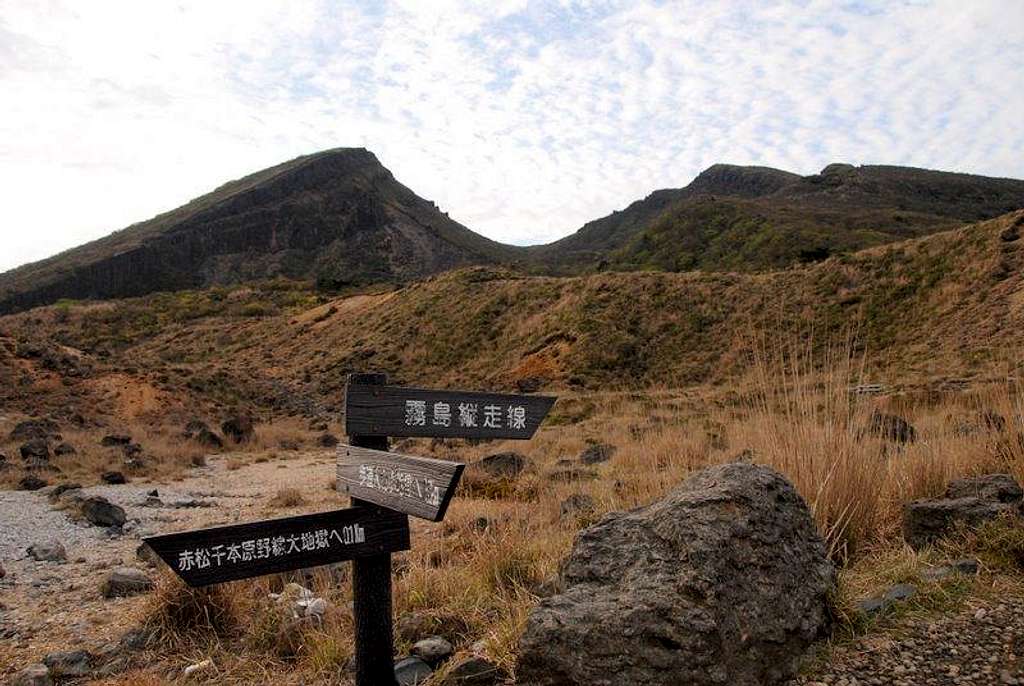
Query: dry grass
[(476, 576), (287, 497)]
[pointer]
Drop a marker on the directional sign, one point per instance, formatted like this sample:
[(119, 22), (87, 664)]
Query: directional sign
[(227, 553), (419, 486), (372, 410)]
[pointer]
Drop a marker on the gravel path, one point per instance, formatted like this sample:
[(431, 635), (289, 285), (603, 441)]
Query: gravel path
[(983, 644)]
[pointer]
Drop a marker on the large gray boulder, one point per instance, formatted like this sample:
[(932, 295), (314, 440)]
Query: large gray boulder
[(967, 502), (724, 581)]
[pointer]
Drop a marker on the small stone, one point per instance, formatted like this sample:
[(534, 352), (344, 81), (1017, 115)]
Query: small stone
[(503, 465), (595, 454), (198, 668), (33, 675), (125, 581), (577, 503), (433, 650), (113, 478), (936, 573), (64, 449), (966, 567), (316, 607), (31, 482), (900, 593), (101, 512), (412, 671), (871, 606), (35, 450), (113, 440), (327, 440), (51, 551), (146, 555), (980, 614), (69, 664)]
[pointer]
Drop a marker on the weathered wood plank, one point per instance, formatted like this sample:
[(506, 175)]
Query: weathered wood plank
[(400, 411), (227, 553), (419, 486)]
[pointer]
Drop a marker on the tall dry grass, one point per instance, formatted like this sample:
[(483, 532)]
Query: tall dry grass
[(475, 577)]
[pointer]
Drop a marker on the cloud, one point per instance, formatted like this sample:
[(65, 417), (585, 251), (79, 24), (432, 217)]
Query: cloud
[(522, 119)]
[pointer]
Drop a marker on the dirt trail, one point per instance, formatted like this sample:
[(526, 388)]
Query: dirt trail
[(47, 606)]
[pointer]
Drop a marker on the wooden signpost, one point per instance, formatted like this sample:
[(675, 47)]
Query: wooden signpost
[(385, 488)]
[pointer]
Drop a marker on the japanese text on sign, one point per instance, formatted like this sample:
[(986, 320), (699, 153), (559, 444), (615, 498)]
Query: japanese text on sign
[(267, 548), (466, 415)]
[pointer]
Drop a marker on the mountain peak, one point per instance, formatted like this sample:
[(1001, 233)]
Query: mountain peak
[(740, 181)]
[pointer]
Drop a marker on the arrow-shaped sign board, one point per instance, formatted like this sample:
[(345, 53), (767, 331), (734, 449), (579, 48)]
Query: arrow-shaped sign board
[(228, 553), (372, 410), (420, 486)]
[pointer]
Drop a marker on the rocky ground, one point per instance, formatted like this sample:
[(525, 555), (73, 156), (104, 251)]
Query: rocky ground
[(982, 644), (49, 606)]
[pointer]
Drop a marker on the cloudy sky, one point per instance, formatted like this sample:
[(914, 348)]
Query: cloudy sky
[(522, 119)]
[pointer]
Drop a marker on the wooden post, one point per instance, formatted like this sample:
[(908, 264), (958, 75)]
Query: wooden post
[(371, 587)]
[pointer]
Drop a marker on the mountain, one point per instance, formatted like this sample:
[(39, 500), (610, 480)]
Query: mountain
[(754, 218), (338, 217)]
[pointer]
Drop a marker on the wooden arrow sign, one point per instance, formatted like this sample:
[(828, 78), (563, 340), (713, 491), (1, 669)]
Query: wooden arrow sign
[(372, 410), (228, 553), (420, 486)]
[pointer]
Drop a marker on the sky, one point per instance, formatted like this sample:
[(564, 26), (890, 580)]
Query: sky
[(521, 119)]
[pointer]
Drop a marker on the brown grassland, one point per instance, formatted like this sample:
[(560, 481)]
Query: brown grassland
[(476, 576)]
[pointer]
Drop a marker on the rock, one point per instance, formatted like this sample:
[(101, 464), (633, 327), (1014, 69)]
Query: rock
[(51, 551), (113, 478), (433, 650), (35, 450), (577, 503), (479, 671), (529, 384), (891, 428), (122, 582), (101, 512), (194, 427), (3, 572), (238, 428), (70, 664), (198, 668), (936, 573), (725, 580), (900, 593), (115, 440), (595, 454), (872, 606), (968, 502), (67, 493), (64, 449), (566, 474), (966, 567), (130, 450), (31, 482), (1001, 488), (33, 675), (502, 465), (317, 607), (145, 554), (4, 464), (412, 671), (44, 429), (327, 440), (208, 439)]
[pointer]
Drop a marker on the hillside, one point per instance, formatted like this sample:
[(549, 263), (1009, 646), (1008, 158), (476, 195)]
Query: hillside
[(755, 218), (337, 217), (285, 349)]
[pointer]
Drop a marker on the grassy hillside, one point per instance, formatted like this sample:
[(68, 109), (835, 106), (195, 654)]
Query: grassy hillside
[(940, 307)]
